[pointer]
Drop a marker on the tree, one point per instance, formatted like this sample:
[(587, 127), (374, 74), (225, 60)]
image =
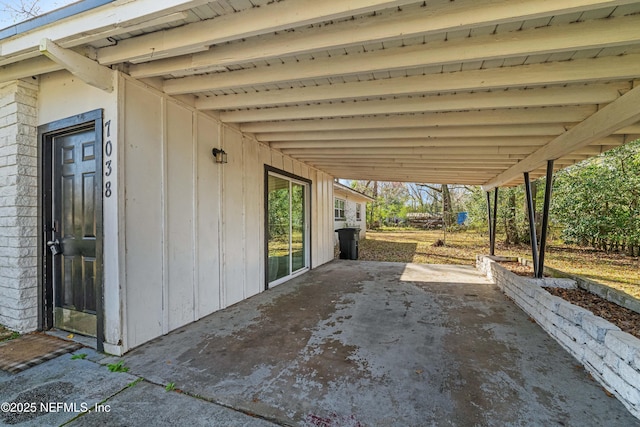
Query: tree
[(446, 194), (14, 11), (390, 200), (597, 201), (512, 236), (21, 9)]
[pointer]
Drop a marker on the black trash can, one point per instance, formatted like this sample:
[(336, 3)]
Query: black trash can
[(348, 238)]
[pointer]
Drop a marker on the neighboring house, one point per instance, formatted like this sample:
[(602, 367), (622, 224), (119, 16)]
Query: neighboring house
[(349, 209)]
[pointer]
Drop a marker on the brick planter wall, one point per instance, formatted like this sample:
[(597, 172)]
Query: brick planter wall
[(610, 355)]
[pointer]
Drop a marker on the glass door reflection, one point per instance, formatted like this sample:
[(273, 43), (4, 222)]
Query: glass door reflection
[(298, 253), (279, 233), (287, 228)]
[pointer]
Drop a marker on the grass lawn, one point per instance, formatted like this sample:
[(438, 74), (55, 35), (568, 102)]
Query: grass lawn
[(406, 245), (6, 334)]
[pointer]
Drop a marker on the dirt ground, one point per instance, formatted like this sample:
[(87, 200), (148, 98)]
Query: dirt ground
[(422, 246), (407, 245)]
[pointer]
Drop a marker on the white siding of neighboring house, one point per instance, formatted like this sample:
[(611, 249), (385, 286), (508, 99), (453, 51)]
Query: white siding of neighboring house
[(184, 236), (350, 215)]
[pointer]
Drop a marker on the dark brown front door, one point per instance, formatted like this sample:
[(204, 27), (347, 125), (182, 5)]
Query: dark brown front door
[(71, 229)]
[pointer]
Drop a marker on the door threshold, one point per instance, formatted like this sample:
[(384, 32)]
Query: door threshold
[(86, 341)]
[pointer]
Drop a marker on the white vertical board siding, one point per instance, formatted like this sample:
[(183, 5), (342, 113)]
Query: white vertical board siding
[(287, 164), (322, 218), (254, 218), (194, 232), (317, 223), (314, 219), (277, 160), (179, 206), (208, 225), (63, 95), (327, 236), (144, 214), (329, 248), (233, 224)]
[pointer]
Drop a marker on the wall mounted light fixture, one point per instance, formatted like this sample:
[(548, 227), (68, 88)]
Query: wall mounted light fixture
[(220, 155)]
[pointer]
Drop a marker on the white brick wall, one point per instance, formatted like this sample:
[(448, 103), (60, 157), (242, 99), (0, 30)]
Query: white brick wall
[(350, 218), (610, 355), (18, 205)]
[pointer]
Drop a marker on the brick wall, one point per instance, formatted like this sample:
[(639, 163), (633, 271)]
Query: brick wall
[(610, 355), (18, 205)]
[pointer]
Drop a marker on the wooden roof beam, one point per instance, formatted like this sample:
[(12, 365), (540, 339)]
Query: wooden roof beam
[(452, 151), (475, 132), (597, 146), (436, 18), (544, 74), (418, 142), (28, 68), (410, 164), (620, 113), (469, 118), (80, 66), (536, 41), (501, 99), (247, 23)]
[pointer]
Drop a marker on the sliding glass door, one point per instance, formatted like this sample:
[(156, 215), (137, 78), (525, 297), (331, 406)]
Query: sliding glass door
[(287, 228)]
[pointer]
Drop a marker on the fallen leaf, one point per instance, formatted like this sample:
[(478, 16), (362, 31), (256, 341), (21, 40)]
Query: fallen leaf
[(70, 336)]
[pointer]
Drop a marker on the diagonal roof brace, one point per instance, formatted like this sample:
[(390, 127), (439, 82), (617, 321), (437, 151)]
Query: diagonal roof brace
[(622, 112), (87, 70)]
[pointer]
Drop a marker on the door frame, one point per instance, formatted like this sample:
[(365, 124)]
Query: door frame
[(46, 133), (271, 170)]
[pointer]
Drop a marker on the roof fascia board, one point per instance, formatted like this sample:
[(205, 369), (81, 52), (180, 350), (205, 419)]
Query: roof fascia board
[(343, 188), (51, 17), (111, 15)]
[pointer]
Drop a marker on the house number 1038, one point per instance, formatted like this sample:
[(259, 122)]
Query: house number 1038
[(108, 150)]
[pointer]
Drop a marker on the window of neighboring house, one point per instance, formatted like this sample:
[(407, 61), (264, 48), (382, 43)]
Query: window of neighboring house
[(338, 210), (358, 212)]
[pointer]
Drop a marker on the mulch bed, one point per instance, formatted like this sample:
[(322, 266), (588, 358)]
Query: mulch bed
[(623, 318), (517, 268)]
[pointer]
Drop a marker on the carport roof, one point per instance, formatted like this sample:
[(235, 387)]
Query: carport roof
[(465, 91)]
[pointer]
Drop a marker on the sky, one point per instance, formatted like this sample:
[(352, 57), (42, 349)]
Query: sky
[(8, 18)]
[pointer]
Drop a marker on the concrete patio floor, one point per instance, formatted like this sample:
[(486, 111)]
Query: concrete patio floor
[(356, 343)]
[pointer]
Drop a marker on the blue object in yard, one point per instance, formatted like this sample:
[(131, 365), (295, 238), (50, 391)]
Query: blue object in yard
[(462, 217)]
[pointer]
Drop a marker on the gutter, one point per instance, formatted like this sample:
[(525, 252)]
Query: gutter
[(51, 17)]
